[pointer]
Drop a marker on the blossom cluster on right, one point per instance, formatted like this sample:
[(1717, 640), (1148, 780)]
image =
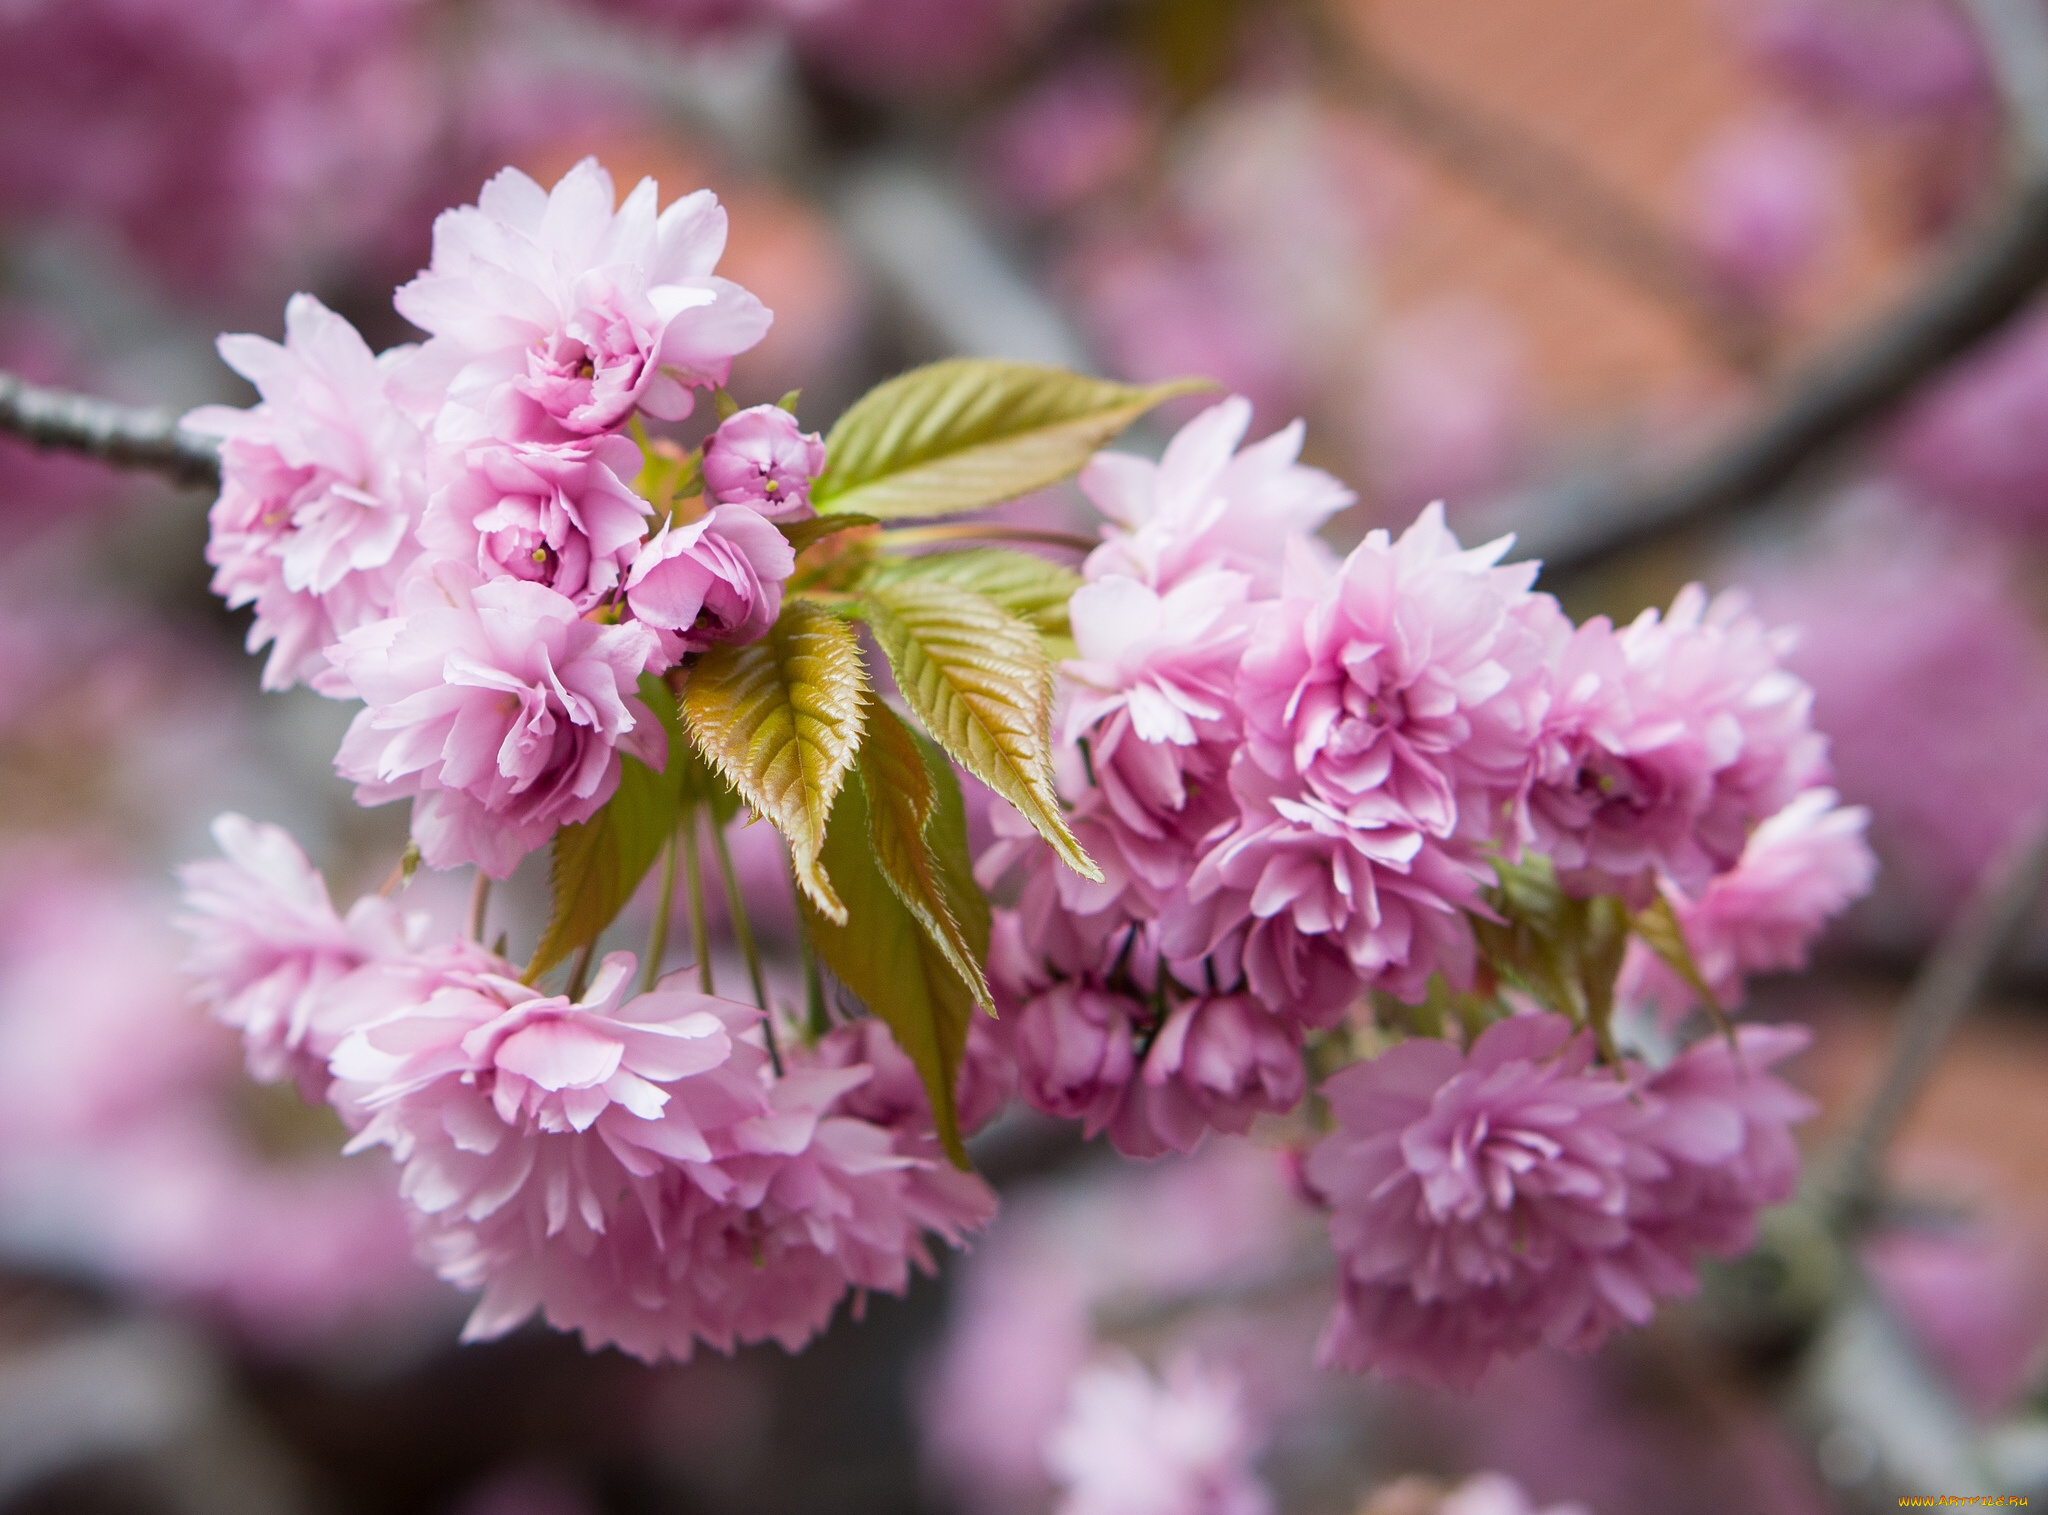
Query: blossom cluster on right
[(1402, 793)]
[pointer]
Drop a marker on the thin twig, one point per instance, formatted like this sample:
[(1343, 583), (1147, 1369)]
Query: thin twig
[(1992, 275), (664, 907), (1544, 186), (127, 436), (1953, 979), (479, 905), (693, 875), (743, 929)]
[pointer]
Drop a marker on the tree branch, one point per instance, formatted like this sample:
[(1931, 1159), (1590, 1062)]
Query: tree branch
[(1953, 979), (1989, 279), (126, 436)]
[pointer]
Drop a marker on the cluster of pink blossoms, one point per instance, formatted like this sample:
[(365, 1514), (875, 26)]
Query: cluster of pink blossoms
[(1299, 776), (450, 532), (625, 1164)]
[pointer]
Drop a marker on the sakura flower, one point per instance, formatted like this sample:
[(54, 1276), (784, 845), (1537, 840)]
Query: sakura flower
[(1488, 1202), (1389, 717), (1205, 505), (1076, 1052), (1801, 867), (1667, 740), (717, 579), (268, 949), (1473, 1197), (322, 485), (1481, 1494), (1231, 1058), (556, 514), (558, 313), (1133, 1445), (498, 711), (894, 1095), (537, 1137), (760, 457), (1168, 659), (1716, 1126)]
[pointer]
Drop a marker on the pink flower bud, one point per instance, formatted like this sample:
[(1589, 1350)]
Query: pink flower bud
[(761, 457), (718, 579)]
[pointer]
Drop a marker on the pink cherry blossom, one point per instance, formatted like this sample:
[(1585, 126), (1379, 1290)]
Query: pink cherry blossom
[(1389, 716), (1801, 867), (894, 1095), (1133, 1445), (535, 1134), (1489, 1201), (322, 486), (498, 711), (1205, 505), (559, 514), (1668, 740), (762, 458), (1471, 1195), (1076, 1051), (559, 313), (268, 949), (717, 579)]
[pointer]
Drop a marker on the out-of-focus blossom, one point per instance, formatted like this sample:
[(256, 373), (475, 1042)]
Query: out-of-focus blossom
[(498, 711), (559, 313), (1069, 137), (1974, 1301), (1893, 57), (1489, 1202), (1886, 601), (763, 459), (1023, 1302), (223, 141), (322, 486), (1135, 1445), (121, 1155), (559, 514), (268, 949), (1968, 442), (1445, 406), (717, 579), (1802, 867), (1206, 505), (1765, 197)]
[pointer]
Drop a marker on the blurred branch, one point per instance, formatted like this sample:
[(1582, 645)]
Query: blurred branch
[(1995, 273), (1544, 186), (126, 436), (1953, 979)]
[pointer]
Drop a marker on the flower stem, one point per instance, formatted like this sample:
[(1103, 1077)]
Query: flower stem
[(579, 977), (693, 873), (479, 905), (743, 929), (664, 906), (970, 531), (817, 1021)]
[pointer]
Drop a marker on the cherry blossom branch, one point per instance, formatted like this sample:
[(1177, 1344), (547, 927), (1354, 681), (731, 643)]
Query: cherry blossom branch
[(1987, 280), (1953, 979), (126, 436)]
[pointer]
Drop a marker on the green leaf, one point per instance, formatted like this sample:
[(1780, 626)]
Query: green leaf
[(1032, 589), (901, 802), (946, 832), (598, 864), (1563, 951), (667, 473), (802, 534), (978, 678), (969, 432), (780, 720), (881, 953)]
